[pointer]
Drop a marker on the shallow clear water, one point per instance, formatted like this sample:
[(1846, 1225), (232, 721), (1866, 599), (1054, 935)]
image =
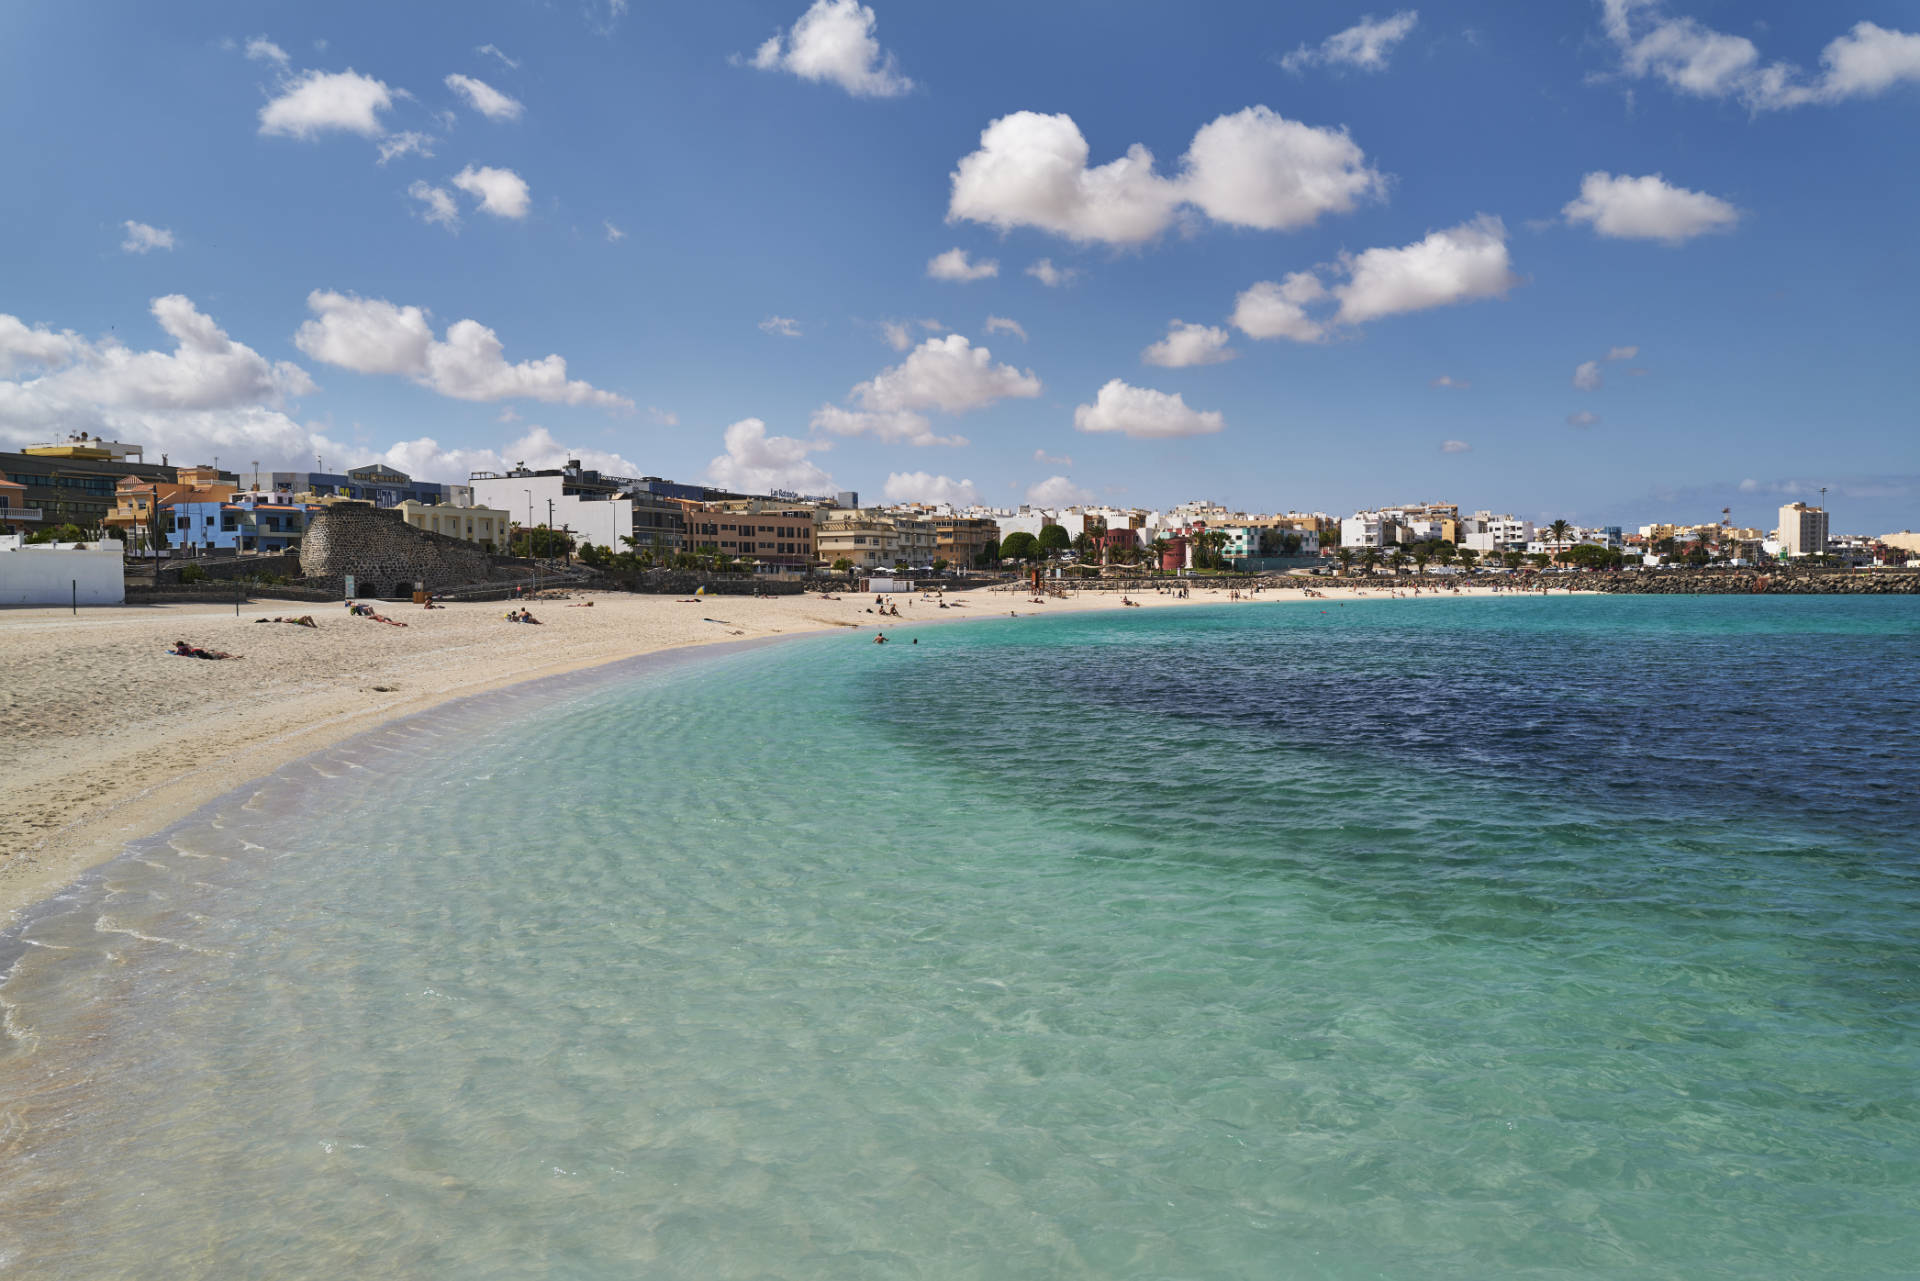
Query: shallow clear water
[(1438, 939)]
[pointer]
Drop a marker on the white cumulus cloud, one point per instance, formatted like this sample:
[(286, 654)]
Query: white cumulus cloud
[(925, 487), (484, 98), (1144, 413), (834, 42), (1647, 208), (374, 336), (501, 192), (1699, 61), (614, 234), (144, 239), (1586, 375), (1367, 44), (1253, 168), (494, 50), (1459, 264), (1270, 309), (783, 326), (1056, 492), (1189, 344), (209, 394), (1448, 380), (949, 375), (1454, 265), (1002, 325), (316, 102), (1051, 276), (954, 265), (756, 463)]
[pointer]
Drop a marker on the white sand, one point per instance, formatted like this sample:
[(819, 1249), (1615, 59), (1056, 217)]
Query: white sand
[(105, 737)]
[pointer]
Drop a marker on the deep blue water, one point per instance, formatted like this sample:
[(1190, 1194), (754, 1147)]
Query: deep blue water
[(1435, 939)]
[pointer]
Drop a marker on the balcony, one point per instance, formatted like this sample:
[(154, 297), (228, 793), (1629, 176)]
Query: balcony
[(22, 514)]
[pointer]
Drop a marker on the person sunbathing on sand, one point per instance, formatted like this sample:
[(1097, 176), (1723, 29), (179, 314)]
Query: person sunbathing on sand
[(184, 650)]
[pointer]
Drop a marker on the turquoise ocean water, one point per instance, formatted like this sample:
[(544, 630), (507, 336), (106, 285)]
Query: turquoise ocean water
[(1440, 939)]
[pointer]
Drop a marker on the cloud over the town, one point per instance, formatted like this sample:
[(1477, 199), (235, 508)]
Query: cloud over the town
[(1144, 413), (374, 336), (755, 462), (949, 375), (1251, 168), (925, 487)]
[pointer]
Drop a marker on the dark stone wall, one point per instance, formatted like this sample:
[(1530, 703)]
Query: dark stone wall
[(385, 554)]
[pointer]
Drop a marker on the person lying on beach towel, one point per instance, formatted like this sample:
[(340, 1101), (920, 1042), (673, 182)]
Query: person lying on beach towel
[(305, 620), (184, 650), (585, 604)]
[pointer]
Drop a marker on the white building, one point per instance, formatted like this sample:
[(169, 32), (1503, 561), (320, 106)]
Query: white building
[(1371, 529), (584, 503), (1485, 532), (1803, 530), (61, 573)]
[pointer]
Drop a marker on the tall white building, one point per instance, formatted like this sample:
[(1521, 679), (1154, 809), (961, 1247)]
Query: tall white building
[(1486, 532), (1803, 530)]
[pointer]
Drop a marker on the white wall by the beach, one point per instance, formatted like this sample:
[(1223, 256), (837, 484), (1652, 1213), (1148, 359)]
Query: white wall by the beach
[(47, 574)]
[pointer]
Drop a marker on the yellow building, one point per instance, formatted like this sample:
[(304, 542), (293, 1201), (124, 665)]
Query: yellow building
[(488, 526)]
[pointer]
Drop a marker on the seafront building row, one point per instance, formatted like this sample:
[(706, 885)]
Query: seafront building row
[(204, 510)]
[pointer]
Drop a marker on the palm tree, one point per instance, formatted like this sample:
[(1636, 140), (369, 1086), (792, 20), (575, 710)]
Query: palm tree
[(1445, 553), (1370, 559), (1345, 556), (1511, 559), (1158, 547), (1398, 560), (1421, 555), (1467, 558), (1559, 530)]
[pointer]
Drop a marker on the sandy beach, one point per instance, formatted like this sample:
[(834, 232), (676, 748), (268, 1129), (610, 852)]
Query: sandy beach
[(106, 737)]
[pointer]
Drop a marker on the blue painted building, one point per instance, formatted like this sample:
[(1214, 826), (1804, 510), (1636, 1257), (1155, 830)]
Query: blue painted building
[(245, 523)]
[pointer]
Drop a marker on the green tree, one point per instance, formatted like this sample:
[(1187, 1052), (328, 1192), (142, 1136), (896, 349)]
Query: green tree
[(1020, 545), (842, 566), (1083, 545), (1053, 540), (1370, 560), (542, 542), (1157, 551), (67, 533), (1345, 556), (1468, 557), (1398, 560), (940, 564), (1421, 555), (1445, 553), (1592, 556), (1511, 559)]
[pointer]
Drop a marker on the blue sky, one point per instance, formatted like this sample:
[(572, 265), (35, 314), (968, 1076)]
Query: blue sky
[(1414, 247)]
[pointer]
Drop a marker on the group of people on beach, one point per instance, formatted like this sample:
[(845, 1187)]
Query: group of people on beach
[(521, 616)]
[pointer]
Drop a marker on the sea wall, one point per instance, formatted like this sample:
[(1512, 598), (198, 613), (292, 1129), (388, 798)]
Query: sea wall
[(385, 555), (1745, 582)]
